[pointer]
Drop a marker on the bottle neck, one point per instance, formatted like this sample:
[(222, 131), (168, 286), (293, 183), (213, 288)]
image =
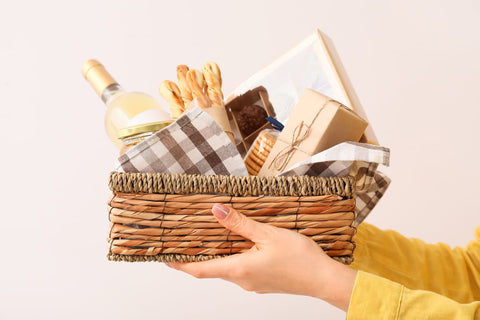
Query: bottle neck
[(102, 82), (111, 91)]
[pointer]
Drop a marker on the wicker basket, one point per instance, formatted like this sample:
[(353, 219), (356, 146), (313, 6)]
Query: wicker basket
[(165, 217)]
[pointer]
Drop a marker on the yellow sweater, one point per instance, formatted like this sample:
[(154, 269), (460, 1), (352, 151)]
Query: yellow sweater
[(401, 278)]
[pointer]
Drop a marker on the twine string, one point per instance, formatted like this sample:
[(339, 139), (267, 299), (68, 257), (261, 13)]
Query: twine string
[(300, 133)]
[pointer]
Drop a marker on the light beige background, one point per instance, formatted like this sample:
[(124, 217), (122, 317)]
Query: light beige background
[(414, 64)]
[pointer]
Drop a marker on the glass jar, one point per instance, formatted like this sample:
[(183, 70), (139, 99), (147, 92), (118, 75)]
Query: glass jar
[(133, 135)]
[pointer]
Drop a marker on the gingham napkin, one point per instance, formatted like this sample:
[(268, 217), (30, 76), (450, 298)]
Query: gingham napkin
[(360, 160), (194, 144)]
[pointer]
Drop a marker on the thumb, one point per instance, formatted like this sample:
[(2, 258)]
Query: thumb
[(240, 224)]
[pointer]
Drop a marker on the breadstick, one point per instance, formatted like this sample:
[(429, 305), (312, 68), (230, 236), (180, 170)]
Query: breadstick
[(170, 92), (196, 83), (213, 78), (182, 83)]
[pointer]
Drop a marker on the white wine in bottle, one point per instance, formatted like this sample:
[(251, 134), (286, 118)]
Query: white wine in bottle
[(124, 109)]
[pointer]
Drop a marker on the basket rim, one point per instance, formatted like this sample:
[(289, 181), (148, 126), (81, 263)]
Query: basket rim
[(166, 257), (239, 186)]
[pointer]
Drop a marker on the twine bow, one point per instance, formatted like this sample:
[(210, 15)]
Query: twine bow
[(300, 133)]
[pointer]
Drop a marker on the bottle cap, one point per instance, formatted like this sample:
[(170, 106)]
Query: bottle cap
[(142, 128), (95, 73)]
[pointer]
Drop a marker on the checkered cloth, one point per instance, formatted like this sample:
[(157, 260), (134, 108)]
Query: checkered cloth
[(194, 144), (360, 160)]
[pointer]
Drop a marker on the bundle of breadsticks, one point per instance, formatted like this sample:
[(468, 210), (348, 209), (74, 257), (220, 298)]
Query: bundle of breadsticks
[(197, 88)]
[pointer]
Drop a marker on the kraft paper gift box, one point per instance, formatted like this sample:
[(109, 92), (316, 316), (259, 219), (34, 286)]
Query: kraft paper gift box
[(316, 124)]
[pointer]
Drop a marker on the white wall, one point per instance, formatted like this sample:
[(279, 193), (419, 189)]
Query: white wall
[(415, 67)]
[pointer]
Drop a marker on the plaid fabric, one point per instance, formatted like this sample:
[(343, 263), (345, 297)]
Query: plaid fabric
[(368, 198), (360, 160), (194, 144)]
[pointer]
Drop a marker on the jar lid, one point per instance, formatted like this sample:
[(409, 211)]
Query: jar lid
[(142, 128)]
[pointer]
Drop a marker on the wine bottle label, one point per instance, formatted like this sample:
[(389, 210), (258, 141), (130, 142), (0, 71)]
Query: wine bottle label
[(152, 115)]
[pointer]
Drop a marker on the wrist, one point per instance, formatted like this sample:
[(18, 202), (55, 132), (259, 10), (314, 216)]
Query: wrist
[(335, 284)]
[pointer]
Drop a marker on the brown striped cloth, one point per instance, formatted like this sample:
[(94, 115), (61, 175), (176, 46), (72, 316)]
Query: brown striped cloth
[(194, 144), (360, 160)]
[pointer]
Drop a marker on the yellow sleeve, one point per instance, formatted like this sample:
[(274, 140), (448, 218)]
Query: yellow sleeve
[(374, 297), (454, 273)]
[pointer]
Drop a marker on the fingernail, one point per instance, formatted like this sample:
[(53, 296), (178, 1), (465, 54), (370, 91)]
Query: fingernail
[(220, 211)]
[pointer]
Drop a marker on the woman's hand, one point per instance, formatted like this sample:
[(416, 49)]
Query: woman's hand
[(281, 261)]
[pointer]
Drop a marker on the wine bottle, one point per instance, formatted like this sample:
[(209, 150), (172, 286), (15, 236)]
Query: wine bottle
[(124, 109)]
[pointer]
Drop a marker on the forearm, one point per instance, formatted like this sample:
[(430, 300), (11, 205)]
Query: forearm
[(334, 284)]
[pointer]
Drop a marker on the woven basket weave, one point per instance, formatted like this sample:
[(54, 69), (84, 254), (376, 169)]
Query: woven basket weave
[(165, 217)]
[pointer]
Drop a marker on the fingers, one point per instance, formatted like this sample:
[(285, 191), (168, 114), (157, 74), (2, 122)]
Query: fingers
[(215, 268), (240, 224), (229, 268)]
